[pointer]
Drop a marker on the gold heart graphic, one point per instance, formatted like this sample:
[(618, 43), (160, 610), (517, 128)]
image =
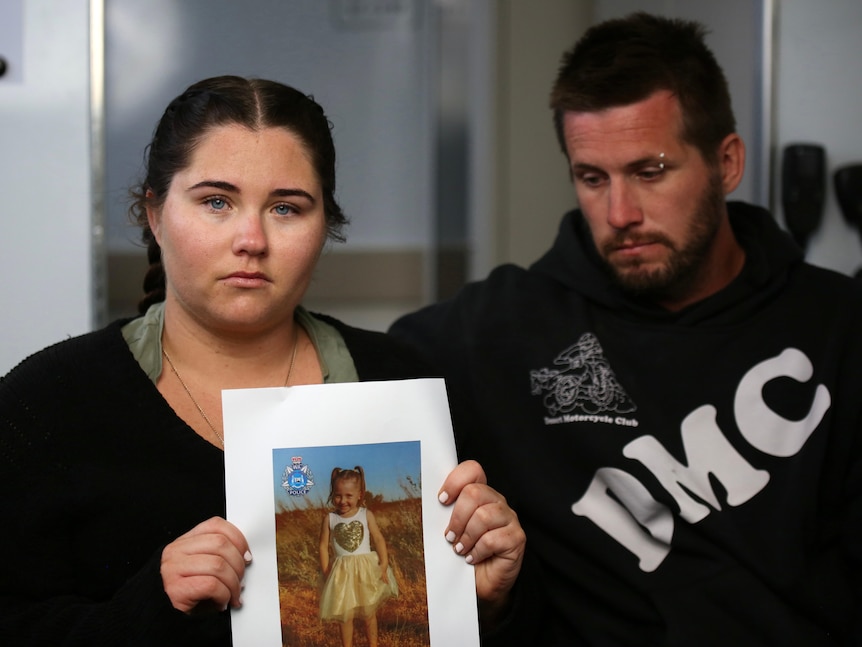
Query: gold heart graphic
[(349, 535)]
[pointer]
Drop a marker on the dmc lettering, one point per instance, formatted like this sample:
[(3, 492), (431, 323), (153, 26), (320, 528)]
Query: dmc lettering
[(622, 506)]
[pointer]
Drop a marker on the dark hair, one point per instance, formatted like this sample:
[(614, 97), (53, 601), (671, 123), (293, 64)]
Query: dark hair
[(339, 474), (220, 101), (625, 60)]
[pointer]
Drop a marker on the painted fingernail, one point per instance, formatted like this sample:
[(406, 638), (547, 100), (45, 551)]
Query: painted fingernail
[(469, 559), (459, 548), (450, 536), (247, 557), (443, 497)]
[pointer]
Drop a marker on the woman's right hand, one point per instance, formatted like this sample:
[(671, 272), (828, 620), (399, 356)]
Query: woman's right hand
[(205, 566), (485, 530)]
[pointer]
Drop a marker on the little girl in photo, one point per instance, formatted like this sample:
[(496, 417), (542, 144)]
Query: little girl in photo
[(359, 580)]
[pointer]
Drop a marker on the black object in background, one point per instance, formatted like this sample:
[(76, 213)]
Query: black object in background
[(848, 190), (803, 189)]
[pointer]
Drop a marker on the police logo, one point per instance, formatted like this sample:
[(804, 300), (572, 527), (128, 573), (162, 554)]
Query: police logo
[(297, 479)]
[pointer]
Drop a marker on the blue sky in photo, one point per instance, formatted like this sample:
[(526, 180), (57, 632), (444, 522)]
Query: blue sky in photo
[(386, 466)]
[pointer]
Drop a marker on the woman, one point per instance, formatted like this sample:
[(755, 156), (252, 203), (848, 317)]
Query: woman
[(111, 458)]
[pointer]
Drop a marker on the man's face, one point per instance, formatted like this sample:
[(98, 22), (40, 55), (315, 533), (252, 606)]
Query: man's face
[(654, 206)]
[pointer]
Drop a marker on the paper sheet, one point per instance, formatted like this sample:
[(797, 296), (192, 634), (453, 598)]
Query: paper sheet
[(280, 447)]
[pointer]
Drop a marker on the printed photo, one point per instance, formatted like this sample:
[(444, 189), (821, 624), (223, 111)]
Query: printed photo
[(349, 545), (335, 487)]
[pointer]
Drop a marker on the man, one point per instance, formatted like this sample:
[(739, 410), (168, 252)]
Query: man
[(670, 397)]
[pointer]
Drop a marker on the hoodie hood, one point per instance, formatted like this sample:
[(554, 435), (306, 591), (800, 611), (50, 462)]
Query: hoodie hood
[(770, 255)]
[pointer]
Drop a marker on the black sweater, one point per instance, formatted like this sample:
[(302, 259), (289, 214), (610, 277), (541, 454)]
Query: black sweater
[(684, 478), (97, 475)]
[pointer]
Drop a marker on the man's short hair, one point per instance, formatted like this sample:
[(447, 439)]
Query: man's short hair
[(625, 60)]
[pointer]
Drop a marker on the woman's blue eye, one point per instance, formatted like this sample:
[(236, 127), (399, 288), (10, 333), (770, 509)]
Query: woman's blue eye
[(283, 210), (217, 203)]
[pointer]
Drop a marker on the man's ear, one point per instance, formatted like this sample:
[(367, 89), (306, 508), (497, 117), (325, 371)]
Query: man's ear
[(731, 161)]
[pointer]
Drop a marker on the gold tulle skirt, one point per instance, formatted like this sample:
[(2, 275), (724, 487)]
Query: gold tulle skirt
[(355, 588)]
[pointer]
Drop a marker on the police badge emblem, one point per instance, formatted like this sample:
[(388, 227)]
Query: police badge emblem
[(297, 479)]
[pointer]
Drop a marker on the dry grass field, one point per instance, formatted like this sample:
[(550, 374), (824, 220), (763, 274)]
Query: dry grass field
[(402, 621)]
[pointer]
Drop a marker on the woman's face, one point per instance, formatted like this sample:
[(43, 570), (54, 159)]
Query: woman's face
[(241, 230)]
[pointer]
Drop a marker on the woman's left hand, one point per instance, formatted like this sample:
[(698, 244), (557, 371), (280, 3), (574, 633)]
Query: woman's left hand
[(485, 530)]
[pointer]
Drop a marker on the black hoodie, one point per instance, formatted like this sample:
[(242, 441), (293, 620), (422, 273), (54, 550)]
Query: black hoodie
[(684, 478)]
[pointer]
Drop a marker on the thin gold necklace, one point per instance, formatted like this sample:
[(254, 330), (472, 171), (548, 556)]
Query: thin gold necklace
[(200, 408)]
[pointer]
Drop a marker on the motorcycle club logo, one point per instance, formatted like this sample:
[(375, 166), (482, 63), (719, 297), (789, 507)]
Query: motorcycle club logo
[(581, 382), (297, 479)]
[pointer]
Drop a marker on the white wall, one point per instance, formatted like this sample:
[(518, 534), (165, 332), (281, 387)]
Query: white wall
[(818, 99), (532, 189), (45, 243)]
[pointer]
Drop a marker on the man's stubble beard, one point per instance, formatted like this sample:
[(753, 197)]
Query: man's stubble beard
[(684, 266)]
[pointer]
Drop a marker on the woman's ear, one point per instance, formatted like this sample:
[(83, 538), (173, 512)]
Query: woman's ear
[(153, 216), (731, 161)]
